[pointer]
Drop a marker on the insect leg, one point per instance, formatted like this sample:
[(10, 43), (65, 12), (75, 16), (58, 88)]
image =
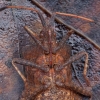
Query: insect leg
[(26, 95), (29, 63), (74, 58), (75, 88), (76, 75), (19, 72), (34, 37), (63, 41)]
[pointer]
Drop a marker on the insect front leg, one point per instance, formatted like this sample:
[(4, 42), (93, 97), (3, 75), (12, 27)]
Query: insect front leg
[(74, 58), (30, 63), (27, 63)]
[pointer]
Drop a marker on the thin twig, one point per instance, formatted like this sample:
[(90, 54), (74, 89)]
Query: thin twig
[(22, 7), (76, 16), (68, 26)]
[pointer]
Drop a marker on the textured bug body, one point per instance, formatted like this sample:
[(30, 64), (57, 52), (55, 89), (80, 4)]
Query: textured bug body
[(48, 85), (37, 78), (47, 68)]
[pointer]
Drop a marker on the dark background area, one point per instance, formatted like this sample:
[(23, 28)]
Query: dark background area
[(14, 39)]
